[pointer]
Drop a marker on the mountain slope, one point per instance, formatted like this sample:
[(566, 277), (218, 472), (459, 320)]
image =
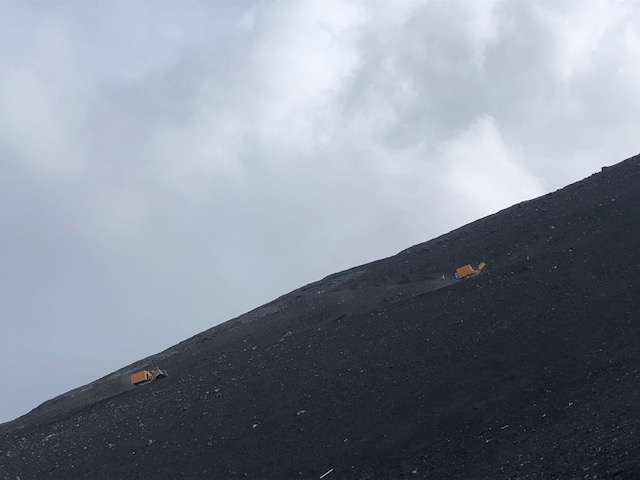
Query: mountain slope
[(388, 370)]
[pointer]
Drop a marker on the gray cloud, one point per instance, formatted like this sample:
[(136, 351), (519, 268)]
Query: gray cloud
[(164, 169)]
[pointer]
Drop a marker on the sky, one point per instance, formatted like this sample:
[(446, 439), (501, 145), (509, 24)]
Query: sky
[(168, 165)]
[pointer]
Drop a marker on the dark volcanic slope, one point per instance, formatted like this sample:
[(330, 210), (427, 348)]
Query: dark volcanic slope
[(387, 370)]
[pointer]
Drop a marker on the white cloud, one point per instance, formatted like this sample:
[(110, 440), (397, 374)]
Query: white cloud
[(41, 106), (581, 33), (179, 165), (484, 28), (484, 172)]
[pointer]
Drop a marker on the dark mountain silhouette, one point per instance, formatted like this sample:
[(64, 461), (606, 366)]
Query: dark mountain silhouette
[(389, 370)]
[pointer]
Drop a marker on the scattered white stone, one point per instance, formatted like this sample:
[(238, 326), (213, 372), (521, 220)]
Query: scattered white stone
[(325, 474)]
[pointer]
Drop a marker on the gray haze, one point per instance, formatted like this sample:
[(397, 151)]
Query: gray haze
[(165, 166)]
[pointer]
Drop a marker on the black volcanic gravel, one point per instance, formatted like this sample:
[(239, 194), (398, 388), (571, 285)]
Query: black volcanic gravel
[(389, 370)]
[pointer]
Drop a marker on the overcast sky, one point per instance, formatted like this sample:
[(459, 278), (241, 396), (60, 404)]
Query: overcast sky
[(166, 166)]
